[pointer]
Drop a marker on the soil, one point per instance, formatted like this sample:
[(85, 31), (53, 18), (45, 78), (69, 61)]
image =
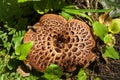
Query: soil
[(110, 70)]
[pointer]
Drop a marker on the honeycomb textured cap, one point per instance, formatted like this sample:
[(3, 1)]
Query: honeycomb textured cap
[(65, 43)]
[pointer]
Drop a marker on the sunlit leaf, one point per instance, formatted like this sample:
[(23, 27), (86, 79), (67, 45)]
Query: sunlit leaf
[(38, 8), (111, 52), (88, 10), (114, 26), (66, 15), (100, 30), (109, 39), (20, 1), (53, 72), (23, 50), (11, 31), (17, 38), (97, 78), (69, 7), (77, 12), (81, 12), (82, 75)]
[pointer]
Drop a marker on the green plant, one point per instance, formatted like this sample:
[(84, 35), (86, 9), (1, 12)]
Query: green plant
[(82, 75), (102, 32), (45, 6), (111, 52), (11, 20), (13, 14), (53, 72), (23, 50), (71, 10), (4, 41), (20, 1), (16, 76), (97, 78), (114, 26)]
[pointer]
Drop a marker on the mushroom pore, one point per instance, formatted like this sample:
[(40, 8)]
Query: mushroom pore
[(57, 41)]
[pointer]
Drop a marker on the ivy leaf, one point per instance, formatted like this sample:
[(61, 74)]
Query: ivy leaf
[(53, 72), (82, 75), (114, 26), (111, 52), (100, 30), (23, 50)]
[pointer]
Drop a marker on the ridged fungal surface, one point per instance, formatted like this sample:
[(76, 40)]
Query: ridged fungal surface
[(65, 43)]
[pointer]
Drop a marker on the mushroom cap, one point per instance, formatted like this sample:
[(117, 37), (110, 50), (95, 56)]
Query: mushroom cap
[(57, 41)]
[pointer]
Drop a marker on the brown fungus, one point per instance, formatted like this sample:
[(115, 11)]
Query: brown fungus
[(65, 43)]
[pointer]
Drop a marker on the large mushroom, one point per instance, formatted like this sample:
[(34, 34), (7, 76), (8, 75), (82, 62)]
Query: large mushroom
[(58, 41)]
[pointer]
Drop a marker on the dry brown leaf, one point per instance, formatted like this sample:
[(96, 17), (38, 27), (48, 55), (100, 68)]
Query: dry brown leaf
[(105, 19)]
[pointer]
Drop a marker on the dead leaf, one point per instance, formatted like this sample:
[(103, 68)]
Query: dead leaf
[(21, 72), (105, 19)]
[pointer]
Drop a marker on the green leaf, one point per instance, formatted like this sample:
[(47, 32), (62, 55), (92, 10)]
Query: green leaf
[(11, 31), (81, 12), (109, 39), (53, 72), (97, 78), (20, 1), (114, 26), (100, 30), (87, 10), (66, 15), (111, 52), (38, 8), (17, 38), (77, 12), (82, 75), (69, 7), (43, 6), (23, 50)]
